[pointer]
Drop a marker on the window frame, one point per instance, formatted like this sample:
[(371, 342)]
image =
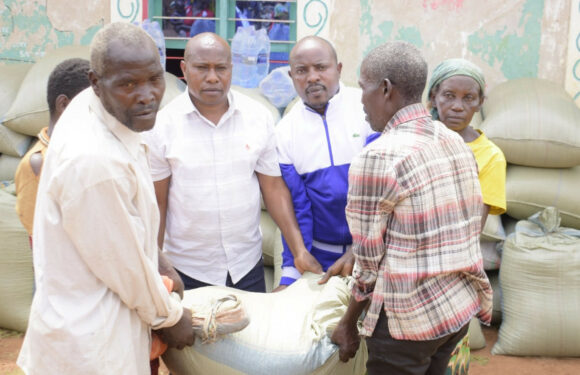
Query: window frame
[(225, 23)]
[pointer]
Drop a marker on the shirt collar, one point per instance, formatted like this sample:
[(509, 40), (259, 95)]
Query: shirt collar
[(43, 136), (186, 105), (130, 139), (406, 114)]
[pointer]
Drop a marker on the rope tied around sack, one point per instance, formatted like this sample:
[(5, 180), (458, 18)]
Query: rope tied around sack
[(216, 323)]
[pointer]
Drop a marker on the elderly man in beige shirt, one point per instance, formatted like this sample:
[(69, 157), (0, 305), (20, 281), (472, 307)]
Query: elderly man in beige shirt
[(99, 291)]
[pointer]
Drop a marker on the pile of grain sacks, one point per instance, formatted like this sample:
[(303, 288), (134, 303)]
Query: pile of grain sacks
[(537, 126)]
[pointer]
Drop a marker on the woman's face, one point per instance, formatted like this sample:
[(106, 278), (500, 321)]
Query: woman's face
[(457, 99)]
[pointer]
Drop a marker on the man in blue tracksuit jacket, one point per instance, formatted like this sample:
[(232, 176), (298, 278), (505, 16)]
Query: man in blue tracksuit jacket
[(317, 140)]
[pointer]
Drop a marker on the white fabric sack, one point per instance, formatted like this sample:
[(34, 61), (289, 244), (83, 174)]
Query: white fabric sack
[(289, 333), (493, 277), (11, 76), (8, 166), (173, 87), (271, 246), (534, 122), (530, 190), (540, 283), (28, 113), (490, 254), (493, 229), (16, 270)]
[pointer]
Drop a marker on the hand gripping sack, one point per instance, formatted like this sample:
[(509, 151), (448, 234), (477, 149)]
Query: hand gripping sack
[(288, 334), (540, 283), (534, 122)]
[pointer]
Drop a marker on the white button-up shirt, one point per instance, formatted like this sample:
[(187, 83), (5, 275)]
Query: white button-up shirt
[(213, 211), (98, 290)]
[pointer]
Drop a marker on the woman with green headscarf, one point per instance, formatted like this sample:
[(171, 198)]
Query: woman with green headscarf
[(456, 92)]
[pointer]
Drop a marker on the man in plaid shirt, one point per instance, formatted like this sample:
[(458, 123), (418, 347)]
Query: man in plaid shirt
[(414, 210)]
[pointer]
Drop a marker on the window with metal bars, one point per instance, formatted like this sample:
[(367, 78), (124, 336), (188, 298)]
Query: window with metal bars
[(182, 19)]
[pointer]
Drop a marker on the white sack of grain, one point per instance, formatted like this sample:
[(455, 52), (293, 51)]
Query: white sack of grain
[(540, 283), (289, 333)]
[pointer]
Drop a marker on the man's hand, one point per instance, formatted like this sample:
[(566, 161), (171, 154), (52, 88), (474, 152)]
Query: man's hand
[(346, 336), (178, 286), (279, 288), (181, 334), (343, 267), (166, 269), (305, 262)]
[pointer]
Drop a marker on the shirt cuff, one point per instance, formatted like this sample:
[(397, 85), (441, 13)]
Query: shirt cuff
[(175, 313), (364, 283)]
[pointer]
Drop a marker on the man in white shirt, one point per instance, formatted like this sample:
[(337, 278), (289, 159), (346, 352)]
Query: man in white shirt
[(212, 152), (98, 288)]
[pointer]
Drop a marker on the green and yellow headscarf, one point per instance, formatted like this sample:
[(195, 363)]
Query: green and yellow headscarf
[(450, 68)]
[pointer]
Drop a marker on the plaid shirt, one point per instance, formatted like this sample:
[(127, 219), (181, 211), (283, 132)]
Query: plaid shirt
[(414, 211)]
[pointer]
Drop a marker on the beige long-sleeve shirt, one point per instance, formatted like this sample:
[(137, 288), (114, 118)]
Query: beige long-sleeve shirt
[(98, 290)]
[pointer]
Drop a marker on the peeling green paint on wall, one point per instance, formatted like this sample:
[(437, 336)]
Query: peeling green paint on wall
[(30, 35), (366, 27), (410, 34), (89, 34), (517, 53)]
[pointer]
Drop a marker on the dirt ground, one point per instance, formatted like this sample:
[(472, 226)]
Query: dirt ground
[(482, 362)]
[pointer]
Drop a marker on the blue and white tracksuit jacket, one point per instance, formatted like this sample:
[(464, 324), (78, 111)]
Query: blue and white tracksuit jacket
[(315, 152)]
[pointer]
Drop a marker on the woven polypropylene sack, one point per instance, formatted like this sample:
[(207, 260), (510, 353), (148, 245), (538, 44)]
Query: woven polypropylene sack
[(8, 166), (534, 122), (173, 87), (490, 254), (28, 113), (493, 229), (529, 190), (493, 277), (271, 246), (12, 143), (289, 333), (16, 272), (540, 283), (11, 76)]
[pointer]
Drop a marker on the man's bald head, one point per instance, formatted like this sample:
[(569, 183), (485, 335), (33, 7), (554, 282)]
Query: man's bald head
[(312, 42), (117, 33), (204, 42)]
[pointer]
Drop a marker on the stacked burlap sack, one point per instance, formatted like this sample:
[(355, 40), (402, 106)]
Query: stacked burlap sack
[(16, 272), (537, 126)]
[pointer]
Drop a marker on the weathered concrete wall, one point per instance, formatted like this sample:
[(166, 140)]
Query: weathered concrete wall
[(507, 38), (28, 28)]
